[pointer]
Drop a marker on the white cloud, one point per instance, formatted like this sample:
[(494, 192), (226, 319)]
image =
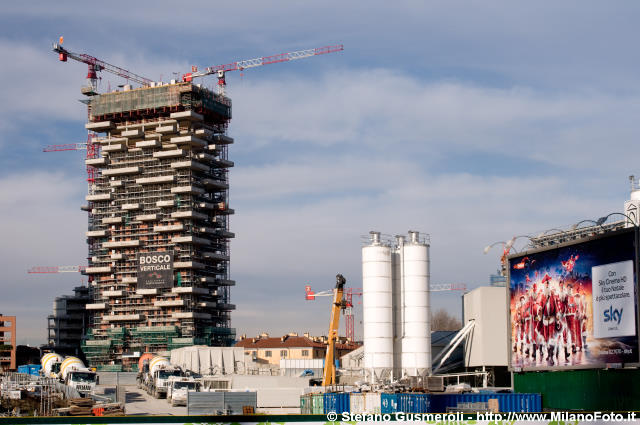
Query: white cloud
[(393, 113), (41, 225)]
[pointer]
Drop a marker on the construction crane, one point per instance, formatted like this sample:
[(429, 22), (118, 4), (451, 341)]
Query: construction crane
[(221, 70), (96, 65), (349, 316), (57, 269), (329, 374)]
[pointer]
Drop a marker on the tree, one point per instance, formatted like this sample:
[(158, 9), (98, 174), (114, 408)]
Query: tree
[(443, 321)]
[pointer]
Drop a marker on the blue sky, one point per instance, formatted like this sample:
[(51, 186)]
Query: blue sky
[(470, 121)]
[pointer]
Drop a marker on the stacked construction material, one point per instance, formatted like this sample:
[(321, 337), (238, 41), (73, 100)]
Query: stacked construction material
[(80, 406)]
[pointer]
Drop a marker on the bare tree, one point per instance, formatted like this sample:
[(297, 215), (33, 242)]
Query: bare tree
[(443, 321)]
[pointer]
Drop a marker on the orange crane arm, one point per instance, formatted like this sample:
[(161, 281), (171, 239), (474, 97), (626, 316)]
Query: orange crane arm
[(329, 375)]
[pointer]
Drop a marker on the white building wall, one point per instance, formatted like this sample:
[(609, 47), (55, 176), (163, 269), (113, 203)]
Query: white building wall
[(488, 343)]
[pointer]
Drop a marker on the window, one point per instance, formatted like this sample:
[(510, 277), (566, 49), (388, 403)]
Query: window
[(283, 353), (305, 353), (267, 353)]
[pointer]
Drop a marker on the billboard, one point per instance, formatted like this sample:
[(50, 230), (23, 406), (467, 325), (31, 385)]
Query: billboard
[(155, 270), (575, 306)]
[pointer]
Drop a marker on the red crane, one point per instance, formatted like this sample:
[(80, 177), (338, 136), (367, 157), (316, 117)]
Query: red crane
[(56, 269), (310, 295), (220, 70), (96, 65)]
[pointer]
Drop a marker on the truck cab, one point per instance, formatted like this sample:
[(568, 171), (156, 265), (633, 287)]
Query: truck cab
[(177, 389), (84, 381), (161, 378)]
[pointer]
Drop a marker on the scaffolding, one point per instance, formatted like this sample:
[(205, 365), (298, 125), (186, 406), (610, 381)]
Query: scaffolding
[(162, 186)]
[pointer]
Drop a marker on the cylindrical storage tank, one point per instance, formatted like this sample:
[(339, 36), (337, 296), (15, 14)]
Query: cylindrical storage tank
[(416, 320), (158, 362), (145, 358), (396, 296), (377, 309), (69, 364), (48, 361)]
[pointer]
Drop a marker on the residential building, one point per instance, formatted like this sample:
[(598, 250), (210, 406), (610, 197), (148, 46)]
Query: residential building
[(158, 222), (7, 342), (271, 350)]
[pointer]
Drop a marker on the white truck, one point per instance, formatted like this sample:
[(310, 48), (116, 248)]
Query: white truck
[(155, 374), (177, 388), (76, 375)]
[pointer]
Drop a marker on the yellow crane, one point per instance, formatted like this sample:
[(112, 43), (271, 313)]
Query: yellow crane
[(329, 375)]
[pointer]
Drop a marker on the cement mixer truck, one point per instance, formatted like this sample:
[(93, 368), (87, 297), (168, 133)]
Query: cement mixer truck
[(51, 363), (76, 375), (155, 373)]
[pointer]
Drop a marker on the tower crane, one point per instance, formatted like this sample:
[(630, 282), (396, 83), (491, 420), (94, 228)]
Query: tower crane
[(221, 70), (56, 269), (329, 373), (96, 65)]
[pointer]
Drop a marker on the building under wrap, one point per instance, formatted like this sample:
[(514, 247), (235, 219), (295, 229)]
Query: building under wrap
[(158, 229)]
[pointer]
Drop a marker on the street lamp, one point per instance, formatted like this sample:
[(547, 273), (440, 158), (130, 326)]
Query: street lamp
[(575, 226), (603, 219), (508, 246)]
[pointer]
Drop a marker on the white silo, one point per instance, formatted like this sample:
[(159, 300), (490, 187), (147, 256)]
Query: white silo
[(377, 308), (396, 290), (416, 320)]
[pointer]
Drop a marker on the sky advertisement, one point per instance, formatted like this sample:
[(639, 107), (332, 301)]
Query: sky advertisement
[(575, 306)]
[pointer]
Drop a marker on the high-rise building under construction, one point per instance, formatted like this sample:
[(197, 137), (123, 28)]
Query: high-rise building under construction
[(158, 232)]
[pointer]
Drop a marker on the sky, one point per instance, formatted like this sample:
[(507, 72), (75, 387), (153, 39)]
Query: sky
[(469, 121)]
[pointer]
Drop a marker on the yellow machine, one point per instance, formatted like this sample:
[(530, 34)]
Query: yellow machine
[(329, 375)]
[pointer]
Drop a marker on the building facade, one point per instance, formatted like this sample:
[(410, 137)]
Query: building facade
[(265, 349), (68, 323), (158, 222), (7, 342)]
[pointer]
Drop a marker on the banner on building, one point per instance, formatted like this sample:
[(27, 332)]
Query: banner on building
[(155, 270), (575, 306)]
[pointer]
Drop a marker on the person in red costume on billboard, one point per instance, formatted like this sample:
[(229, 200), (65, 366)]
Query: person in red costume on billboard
[(517, 325), (527, 318), (569, 264), (561, 320), (548, 316), (538, 326), (572, 317), (581, 322)]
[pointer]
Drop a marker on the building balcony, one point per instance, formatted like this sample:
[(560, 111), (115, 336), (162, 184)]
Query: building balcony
[(121, 171), (190, 140), (156, 180), (95, 270), (99, 127), (175, 153), (99, 197), (121, 244), (148, 144)]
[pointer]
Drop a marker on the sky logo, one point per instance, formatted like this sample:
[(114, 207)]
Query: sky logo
[(613, 315)]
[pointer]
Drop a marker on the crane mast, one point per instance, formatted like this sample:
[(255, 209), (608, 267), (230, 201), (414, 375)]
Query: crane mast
[(329, 375)]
